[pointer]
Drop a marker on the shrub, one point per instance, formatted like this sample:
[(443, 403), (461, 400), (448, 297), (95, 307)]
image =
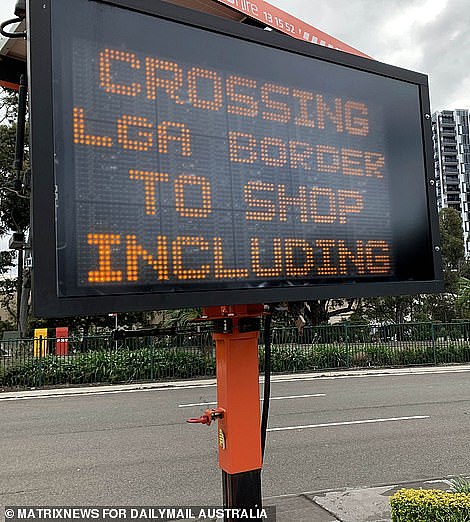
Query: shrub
[(294, 358), (460, 485), (413, 505), (109, 367), (175, 357), (305, 357), (453, 353)]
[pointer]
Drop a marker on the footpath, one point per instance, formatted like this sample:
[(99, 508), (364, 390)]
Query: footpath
[(347, 505)]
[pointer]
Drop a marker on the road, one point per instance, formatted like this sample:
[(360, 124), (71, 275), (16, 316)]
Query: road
[(134, 448)]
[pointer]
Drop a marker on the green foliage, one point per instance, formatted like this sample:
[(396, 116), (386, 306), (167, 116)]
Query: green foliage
[(14, 208), (191, 354), (412, 505), (8, 106), (126, 365), (384, 310), (463, 297), (14, 202), (295, 358), (452, 242), (90, 325), (179, 317), (8, 288), (314, 312), (460, 485), (112, 366), (439, 307), (453, 250)]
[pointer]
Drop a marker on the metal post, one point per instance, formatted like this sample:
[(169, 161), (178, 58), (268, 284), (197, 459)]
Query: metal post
[(239, 434), (152, 360), (40, 361), (242, 490), (236, 333), (18, 186), (115, 315), (433, 336), (19, 289)]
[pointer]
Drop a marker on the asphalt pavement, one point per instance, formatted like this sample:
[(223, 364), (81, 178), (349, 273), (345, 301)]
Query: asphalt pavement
[(338, 443)]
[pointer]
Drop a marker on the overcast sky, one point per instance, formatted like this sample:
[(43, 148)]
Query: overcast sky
[(429, 36)]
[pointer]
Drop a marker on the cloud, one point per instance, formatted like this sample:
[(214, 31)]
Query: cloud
[(430, 36), (355, 22), (445, 46)]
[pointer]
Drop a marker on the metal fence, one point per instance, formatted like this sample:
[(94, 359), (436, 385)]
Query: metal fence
[(190, 353)]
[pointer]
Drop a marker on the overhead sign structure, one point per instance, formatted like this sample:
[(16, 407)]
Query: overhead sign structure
[(274, 17), (183, 160)]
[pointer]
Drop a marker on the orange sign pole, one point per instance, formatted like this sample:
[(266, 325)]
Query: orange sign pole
[(236, 333)]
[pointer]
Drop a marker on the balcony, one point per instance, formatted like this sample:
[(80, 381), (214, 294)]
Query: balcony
[(448, 131), (450, 160)]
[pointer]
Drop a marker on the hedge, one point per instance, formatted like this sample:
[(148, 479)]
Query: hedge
[(109, 367), (429, 505), (292, 358), (136, 363)]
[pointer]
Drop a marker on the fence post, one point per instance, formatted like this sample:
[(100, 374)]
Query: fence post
[(40, 361), (433, 337), (152, 346), (346, 345)]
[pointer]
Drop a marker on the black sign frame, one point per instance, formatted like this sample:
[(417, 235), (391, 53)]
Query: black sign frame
[(46, 299)]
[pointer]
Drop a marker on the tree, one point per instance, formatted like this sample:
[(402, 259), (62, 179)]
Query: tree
[(440, 307), (99, 324), (452, 242), (8, 106), (14, 205), (453, 250), (385, 310), (435, 307), (313, 312), (463, 297), (178, 317), (7, 290)]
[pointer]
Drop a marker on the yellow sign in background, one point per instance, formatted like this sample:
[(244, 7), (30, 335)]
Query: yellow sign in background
[(40, 342)]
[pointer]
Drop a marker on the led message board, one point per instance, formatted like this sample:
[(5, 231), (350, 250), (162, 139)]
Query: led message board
[(182, 160)]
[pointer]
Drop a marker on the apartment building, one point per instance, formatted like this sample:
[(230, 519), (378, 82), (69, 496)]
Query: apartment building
[(452, 164)]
